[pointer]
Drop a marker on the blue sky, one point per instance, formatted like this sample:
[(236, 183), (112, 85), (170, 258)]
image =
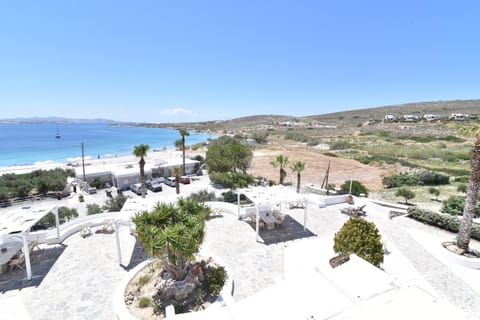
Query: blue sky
[(164, 61)]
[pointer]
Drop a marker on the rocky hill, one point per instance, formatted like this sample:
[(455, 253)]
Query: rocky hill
[(339, 123)]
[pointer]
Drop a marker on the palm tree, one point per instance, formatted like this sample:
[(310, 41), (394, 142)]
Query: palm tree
[(281, 161), (177, 171), (141, 151), (298, 167), (183, 133), (465, 229)]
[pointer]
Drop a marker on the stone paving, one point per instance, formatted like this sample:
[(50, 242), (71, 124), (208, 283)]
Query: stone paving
[(81, 281)]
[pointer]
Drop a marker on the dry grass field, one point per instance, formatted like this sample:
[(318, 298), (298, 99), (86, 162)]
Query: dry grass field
[(316, 165)]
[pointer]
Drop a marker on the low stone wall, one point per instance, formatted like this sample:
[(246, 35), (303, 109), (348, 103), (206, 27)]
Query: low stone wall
[(74, 226), (223, 300)]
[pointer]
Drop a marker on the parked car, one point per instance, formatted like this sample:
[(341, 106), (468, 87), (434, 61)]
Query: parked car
[(185, 180), (137, 188), (91, 190), (155, 184), (170, 181)]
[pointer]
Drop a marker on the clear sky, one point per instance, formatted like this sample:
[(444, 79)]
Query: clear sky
[(163, 61)]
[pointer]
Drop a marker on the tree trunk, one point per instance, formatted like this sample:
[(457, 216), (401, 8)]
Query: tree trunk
[(298, 182), (183, 154), (142, 176), (465, 230), (282, 175), (177, 184)]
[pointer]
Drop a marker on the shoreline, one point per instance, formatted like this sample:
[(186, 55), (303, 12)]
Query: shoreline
[(121, 159)]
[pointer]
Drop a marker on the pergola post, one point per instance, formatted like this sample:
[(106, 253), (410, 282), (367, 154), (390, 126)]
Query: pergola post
[(117, 242), (57, 222), (26, 253), (238, 204)]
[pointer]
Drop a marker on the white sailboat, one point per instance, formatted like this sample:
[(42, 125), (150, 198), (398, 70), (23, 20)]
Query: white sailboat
[(57, 135)]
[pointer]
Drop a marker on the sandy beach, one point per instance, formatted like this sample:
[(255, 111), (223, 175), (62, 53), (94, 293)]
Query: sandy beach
[(113, 160)]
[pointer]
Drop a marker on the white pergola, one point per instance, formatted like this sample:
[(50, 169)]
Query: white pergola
[(271, 196), (15, 225)]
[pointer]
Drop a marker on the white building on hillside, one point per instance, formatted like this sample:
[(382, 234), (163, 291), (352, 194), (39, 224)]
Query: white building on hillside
[(431, 117)]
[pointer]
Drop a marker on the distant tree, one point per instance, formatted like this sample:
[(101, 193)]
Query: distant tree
[(281, 162), (140, 151), (406, 194), (227, 154), (298, 167), (435, 192), (183, 133), (361, 237), (260, 137)]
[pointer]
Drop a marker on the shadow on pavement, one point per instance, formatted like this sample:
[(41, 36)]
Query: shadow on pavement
[(42, 261)]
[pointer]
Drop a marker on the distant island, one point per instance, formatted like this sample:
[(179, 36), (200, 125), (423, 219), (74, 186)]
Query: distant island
[(56, 120)]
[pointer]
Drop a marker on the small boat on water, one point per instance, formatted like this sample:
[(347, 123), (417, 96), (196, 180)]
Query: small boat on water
[(57, 135)]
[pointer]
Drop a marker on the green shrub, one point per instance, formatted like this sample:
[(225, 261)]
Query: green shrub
[(93, 208), (357, 188), (231, 179), (215, 280), (442, 221), (433, 178), (400, 180), (340, 145), (95, 183), (451, 138), (203, 196), (330, 154), (232, 197), (296, 136), (143, 280), (462, 188), (463, 179), (434, 191), (115, 204), (260, 137), (144, 302), (454, 205), (425, 178), (361, 237)]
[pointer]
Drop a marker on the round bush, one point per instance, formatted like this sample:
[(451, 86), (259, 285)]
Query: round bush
[(357, 188), (361, 237), (215, 280)]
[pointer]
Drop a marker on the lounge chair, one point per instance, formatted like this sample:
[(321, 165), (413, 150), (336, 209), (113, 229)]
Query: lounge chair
[(107, 228), (85, 232), (17, 261)]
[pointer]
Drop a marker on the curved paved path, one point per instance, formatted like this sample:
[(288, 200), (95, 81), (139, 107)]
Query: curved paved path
[(81, 280)]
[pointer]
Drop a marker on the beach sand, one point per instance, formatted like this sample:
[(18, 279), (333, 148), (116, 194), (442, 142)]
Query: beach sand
[(114, 160)]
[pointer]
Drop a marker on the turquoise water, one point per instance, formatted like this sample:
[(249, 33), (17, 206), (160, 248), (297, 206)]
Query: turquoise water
[(23, 144)]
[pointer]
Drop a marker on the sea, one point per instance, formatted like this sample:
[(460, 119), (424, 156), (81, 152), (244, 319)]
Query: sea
[(30, 143)]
